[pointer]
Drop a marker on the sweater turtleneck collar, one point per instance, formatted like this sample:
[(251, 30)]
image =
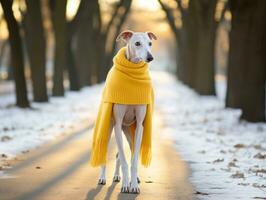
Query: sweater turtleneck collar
[(121, 59)]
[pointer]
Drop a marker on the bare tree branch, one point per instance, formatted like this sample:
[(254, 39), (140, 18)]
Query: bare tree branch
[(99, 17), (122, 18), (180, 7), (114, 15), (169, 17), (225, 8)]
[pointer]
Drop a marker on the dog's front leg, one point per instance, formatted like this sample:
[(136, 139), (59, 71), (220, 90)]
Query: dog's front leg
[(140, 115), (119, 112), (122, 158), (134, 188)]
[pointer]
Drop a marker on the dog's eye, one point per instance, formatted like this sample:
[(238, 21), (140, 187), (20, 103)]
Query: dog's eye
[(150, 44), (137, 44)]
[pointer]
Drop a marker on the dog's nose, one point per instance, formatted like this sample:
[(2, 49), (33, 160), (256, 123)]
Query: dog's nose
[(149, 58)]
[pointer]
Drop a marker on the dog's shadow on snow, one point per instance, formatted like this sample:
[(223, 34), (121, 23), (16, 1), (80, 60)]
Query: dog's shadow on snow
[(110, 191), (127, 196), (93, 192), (121, 196)]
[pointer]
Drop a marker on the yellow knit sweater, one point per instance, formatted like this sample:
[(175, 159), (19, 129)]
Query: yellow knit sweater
[(126, 83)]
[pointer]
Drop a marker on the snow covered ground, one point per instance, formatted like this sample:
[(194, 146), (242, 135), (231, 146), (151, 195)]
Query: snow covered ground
[(227, 157), (25, 129)]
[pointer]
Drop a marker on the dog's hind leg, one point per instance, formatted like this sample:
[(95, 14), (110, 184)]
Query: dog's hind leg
[(102, 178), (117, 166), (127, 132)]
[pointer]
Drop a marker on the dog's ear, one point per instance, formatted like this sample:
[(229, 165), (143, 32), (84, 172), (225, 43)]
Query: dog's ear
[(125, 36), (151, 35)]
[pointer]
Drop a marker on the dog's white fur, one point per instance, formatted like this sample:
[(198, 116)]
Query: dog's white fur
[(138, 49)]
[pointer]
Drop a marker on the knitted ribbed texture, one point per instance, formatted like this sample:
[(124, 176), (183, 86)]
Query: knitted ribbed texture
[(126, 83)]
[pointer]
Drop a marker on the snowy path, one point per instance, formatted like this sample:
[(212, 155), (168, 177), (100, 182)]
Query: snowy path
[(60, 170)]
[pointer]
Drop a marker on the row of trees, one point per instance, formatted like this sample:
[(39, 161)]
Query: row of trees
[(83, 46), (194, 24)]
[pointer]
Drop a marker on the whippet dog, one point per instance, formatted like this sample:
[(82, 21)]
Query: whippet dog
[(138, 48)]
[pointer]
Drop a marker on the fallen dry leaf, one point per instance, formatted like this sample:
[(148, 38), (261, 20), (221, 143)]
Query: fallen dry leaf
[(232, 164), (201, 193), (260, 156), (258, 171), (238, 146), (238, 175), (5, 138), (259, 198), (148, 181), (261, 171), (256, 185), (218, 160), (244, 184)]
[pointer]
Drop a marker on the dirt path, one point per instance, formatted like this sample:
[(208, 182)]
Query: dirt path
[(60, 170)]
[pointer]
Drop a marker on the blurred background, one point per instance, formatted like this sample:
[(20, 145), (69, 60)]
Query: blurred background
[(47, 47)]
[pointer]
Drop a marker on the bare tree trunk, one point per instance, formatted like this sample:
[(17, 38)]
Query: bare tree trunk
[(2, 50), (85, 48), (189, 39), (186, 40), (16, 53), (101, 59), (35, 43), (59, 23), (204, 70), (74, 84), (247, 64)]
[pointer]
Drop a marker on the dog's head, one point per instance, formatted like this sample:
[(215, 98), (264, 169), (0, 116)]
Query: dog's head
[(138, 45)]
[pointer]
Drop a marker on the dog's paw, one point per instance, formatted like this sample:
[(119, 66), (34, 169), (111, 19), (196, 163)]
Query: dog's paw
[(125, 186), (134, 188), (125, 189), (102, 181), (116, 178)]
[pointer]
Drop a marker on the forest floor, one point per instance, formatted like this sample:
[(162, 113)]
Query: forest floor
[(226, 157)]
